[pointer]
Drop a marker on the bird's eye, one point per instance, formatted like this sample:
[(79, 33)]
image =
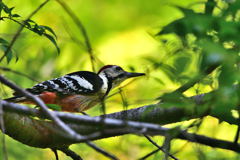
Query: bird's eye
[(118, 68)]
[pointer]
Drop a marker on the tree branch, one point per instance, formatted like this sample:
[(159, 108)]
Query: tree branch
[(19, 73), (44, 134), (4, 148)]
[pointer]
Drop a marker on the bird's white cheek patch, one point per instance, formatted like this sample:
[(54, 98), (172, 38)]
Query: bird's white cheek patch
[(83, 82), (105, 83)]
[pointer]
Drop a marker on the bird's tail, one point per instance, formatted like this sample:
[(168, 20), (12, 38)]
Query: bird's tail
[(17, 99)]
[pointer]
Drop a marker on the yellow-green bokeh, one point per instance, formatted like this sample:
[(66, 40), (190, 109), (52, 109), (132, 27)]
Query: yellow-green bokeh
[(121, 32)]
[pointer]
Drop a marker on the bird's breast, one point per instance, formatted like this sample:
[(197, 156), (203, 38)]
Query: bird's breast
[(78, 103)]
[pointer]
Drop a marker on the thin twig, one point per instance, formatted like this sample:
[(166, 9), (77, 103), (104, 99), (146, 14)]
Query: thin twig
[(70, 153), (181, 148), (166, 145), (118, 91), (159, 147), (71, 133), (55, 153), (82, 29), (123, 98), (19, 73), (237, 135), (79, 43), (236, 138), (21, 28), (149, 154), (102, 151)]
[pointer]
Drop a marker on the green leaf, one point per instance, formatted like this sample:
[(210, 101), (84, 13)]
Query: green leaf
[(54, 107), (230, 72), (41, 30), (4, 46), (232, 9), (30, 21), (3, 41), (50, 30), (16, 15), (169, 71), (196, 23), (159, 80), (37, 29), (8, 10), (1, 7), (228, 100), (181, 63), (212, 53), (9, 55), (52, 40), (228, 31)]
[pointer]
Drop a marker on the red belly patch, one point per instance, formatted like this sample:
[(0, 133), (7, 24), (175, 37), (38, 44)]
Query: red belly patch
[(69, 103), (48, 97)]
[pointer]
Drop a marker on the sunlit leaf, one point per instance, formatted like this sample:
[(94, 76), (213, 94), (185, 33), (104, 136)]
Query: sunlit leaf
[(1, 6), (9, 55), (233, 8), (53, 41), (16, 15), (227, 102), (4, 46), (10, 9), (194, 23), (30, 21), (229, 31), (3, 41), (158, 80), (181, 63), (213, 53), (54, 107), (6, 9), (49, 29)]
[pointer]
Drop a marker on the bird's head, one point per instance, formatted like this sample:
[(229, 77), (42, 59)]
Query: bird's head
[(115, 74)]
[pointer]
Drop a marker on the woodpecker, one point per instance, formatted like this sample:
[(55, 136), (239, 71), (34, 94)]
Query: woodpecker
[(77, 91)]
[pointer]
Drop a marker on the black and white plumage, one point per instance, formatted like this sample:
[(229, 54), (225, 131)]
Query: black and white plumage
[(82, 82), (78, 91)]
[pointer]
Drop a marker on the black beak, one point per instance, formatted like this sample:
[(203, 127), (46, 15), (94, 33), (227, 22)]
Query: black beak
[(131, 74)]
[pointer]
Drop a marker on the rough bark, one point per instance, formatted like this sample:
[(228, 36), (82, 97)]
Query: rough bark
[(22, 125)]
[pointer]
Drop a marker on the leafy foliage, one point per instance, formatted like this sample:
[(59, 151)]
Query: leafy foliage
[(4, 46), (189, 48), (7, 13), (217, 41)]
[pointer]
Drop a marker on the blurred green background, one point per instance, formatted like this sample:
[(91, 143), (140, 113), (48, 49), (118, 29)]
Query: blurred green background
[(121, 32)]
